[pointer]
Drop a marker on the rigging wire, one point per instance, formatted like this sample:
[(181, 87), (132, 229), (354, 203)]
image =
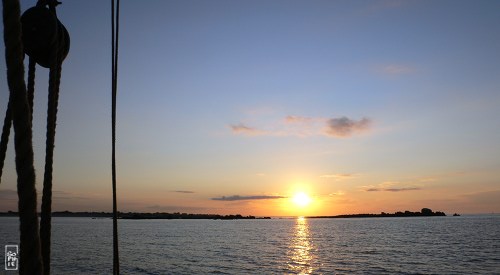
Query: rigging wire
[(114, 75)]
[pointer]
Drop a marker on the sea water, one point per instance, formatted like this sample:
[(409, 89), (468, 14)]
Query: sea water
[(413, 245)]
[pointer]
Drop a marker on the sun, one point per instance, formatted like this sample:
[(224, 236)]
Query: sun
[(301, 199)]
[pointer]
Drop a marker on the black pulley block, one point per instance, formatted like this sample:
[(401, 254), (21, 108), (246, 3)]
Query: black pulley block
[(42, 34)]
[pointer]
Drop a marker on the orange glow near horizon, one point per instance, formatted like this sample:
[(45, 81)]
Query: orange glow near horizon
[(299, 203)]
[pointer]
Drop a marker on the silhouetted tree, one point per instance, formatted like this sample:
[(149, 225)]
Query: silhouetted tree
[(426, 212)]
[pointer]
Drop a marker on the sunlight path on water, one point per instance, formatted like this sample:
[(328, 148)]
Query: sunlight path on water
[(301, 249)]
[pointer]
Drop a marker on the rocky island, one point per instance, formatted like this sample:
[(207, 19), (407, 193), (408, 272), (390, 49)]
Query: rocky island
[(425, 212)]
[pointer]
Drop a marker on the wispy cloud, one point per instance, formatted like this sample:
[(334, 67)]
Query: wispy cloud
[(8, 195), (61, 200), (391, 186), (243, 198), (175, 208), (338, 177), (345, 127), (243, 129), (394, 189), (298, 119), (427, 179), (57, 194), (338, 193), (396, 69), (302, 126), (485, 197), (183, 191)]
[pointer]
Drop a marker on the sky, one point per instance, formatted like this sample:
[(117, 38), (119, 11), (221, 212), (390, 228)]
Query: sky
[(234, 107)]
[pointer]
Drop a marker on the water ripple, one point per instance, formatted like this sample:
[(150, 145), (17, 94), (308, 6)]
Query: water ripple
[(437, 245)]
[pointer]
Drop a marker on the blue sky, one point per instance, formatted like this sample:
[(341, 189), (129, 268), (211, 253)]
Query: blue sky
[(268, 98)]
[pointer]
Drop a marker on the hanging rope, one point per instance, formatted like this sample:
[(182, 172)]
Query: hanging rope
[(7, 123), (31, 85), (115, 23), (47, 45), (46, 211), (30, 261)]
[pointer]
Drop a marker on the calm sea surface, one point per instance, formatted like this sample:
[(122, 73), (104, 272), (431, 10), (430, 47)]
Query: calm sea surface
[(430, 245)]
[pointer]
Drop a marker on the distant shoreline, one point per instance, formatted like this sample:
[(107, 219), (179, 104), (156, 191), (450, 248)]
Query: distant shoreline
[(426, 212), (382, 215), (143, 216)]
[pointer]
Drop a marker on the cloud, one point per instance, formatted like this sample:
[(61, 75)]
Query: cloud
[(183, 191), (61, 200), (345, 127), (302, 126), (338, 176), (242, 198), (298, 119), (392, 189), (242, 129), (63, 195), (485, 197), (338, 193), (175, 208), (427, 179), (392, 186), (8, 195), (402, 189)]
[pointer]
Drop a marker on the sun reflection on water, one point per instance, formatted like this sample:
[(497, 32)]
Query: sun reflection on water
[(300, 249)]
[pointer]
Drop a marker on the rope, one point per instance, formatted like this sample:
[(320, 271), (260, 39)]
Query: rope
[(31, 84), (53, 98), (54, 81), (46, 211), (114, 76), (30, 261), (7, 123)]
